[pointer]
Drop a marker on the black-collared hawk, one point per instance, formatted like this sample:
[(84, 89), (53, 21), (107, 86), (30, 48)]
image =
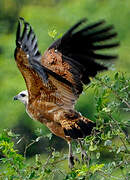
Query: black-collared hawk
[(55, 80)]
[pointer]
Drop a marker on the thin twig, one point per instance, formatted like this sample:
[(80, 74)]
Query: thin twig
[(59, 160), (47, 161), (25, 151)]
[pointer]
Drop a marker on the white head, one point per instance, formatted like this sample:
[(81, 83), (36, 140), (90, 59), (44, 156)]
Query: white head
[(22, 96)]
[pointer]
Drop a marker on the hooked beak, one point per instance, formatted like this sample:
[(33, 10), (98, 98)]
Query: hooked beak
[(15, 97)]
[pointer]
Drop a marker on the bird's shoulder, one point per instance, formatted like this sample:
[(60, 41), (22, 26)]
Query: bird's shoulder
[(52, 59)]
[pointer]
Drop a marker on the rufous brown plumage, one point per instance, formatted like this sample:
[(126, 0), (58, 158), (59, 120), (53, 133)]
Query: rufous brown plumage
[(55, 80)]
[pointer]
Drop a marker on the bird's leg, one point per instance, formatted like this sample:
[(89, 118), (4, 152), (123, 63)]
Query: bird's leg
[(84, 156), (71, 157)]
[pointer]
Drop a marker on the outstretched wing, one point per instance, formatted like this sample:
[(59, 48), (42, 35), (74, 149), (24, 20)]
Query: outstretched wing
[(74, 56), (67, 64), (40, 81)]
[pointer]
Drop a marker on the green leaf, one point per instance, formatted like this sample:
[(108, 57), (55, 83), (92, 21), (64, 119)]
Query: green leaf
[(120, 149), (11, 134), (96, 167), (92, 147), (116, 76), (106, 109), (52, 33), (32, 175), (98, 155), (49, 136), (108, 143), (48, 171)]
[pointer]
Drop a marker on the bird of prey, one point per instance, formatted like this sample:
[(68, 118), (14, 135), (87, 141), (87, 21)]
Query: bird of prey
[(55, 80)]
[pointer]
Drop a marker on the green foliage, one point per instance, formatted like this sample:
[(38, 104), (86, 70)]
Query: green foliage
[(52, 33), (12, 161), (107, 148)]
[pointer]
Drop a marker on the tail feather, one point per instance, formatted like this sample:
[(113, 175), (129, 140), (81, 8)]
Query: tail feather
[(77, 126), (74, 133), (86, 127)]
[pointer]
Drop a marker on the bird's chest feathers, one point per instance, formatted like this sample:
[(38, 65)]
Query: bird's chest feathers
[(43, 111)]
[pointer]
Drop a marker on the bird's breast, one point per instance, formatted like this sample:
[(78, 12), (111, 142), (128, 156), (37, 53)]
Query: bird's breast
[(44, 112)]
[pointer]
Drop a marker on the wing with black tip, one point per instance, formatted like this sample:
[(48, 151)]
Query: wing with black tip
[(75, 55)]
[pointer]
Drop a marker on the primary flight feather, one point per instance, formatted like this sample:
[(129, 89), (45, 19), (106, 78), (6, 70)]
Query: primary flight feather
[(55, 80)]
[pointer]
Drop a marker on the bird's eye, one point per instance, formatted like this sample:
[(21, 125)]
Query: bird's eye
[(23, 95)]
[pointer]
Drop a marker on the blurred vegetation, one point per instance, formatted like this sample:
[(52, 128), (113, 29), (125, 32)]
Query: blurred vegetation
[(45, 16)]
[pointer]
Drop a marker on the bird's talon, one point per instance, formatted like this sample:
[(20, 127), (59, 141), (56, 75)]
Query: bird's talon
[(84, 156), (77, 160), (72, 160)]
